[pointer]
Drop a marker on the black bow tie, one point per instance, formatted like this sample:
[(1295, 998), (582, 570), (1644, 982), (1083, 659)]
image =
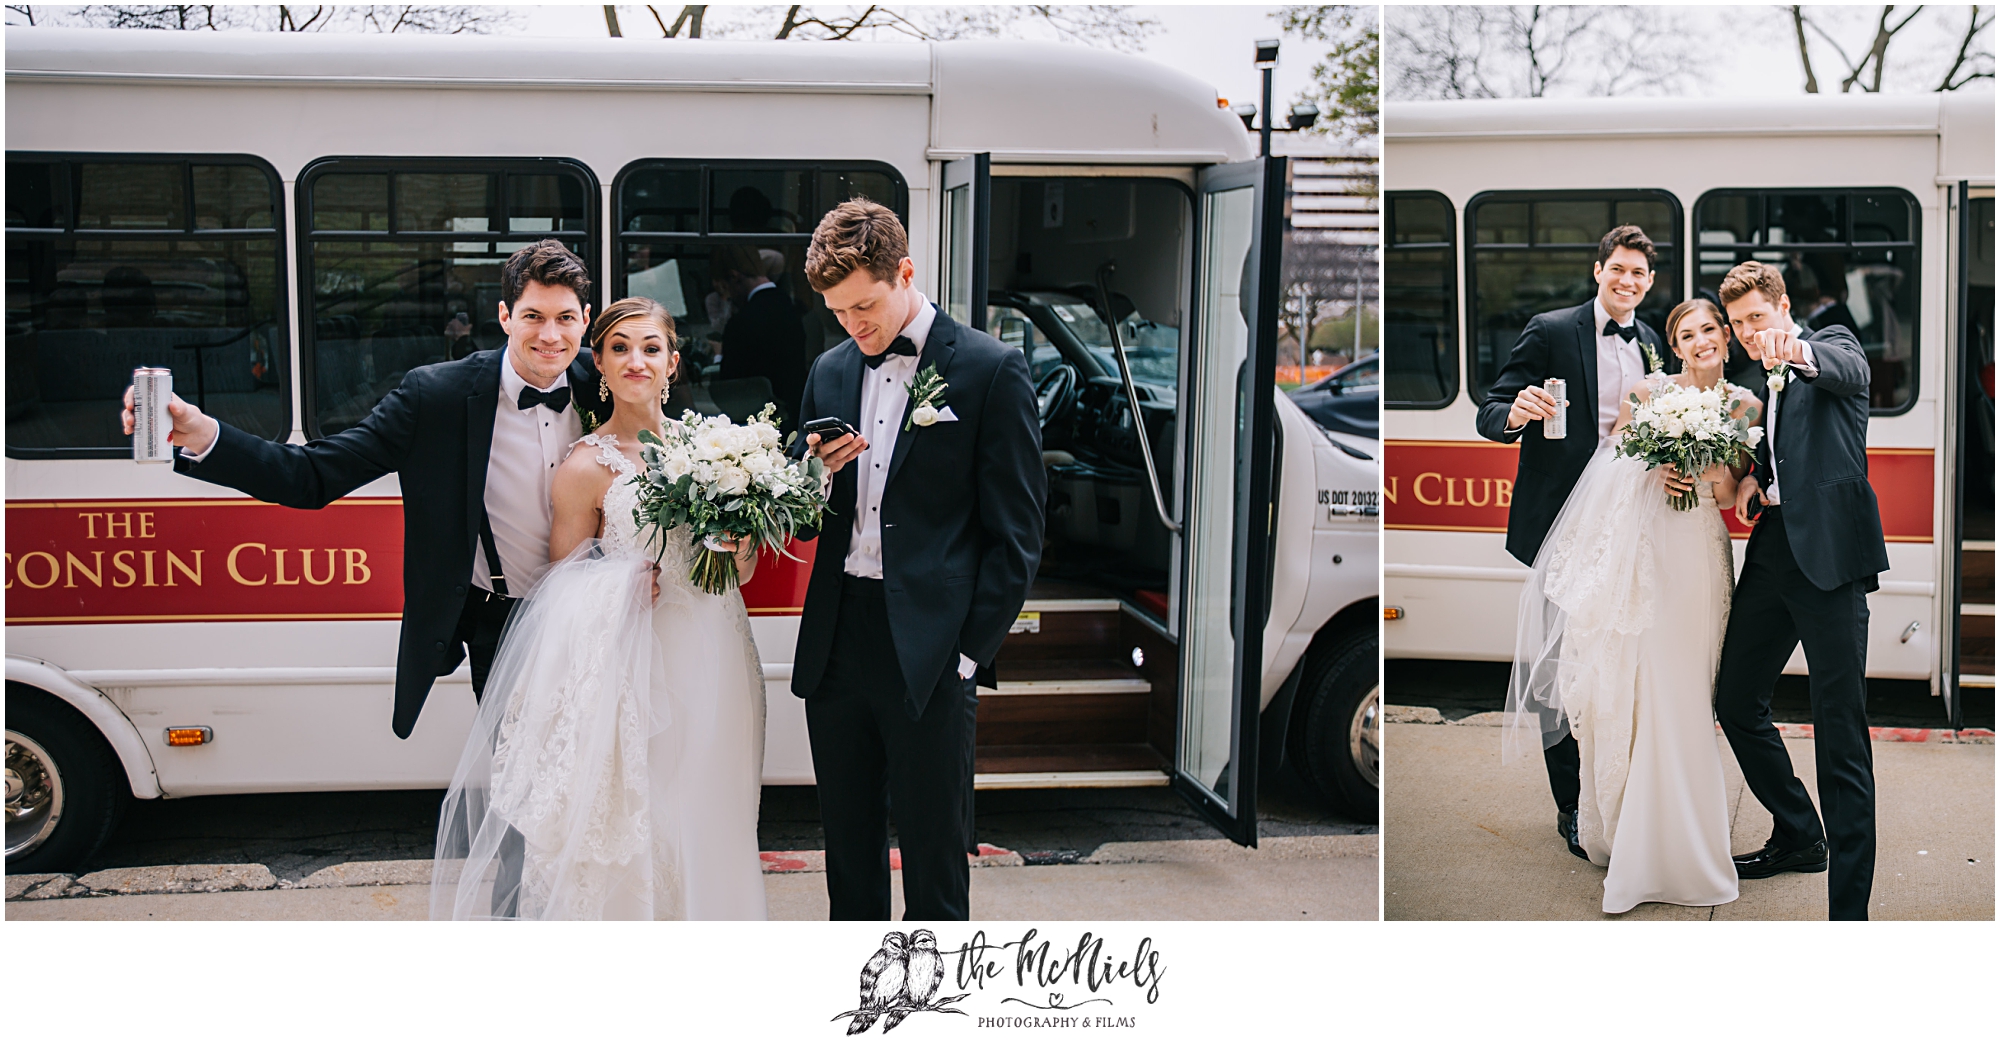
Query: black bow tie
[(901, 345), (556, 400), (1612, 328)]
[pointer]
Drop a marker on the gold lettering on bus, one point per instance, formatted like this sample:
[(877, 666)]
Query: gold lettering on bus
[(1503, 492), (113, 521), (1389, 491), (131, 576), (1417, 486), (148, 554), (96, 575), (1450, 492), (55, 570), (1485, 483), (357, 560), (146, 526), (238, 575), (330, 568), (279, 578), (174, 563)]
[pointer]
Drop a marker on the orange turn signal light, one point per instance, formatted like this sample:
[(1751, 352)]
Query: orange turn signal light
[(188, 737), (1390, 614), (1222, 103)]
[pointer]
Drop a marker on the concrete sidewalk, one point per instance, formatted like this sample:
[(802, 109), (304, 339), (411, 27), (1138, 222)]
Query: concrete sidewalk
[(1466, 838), (1301, 878)]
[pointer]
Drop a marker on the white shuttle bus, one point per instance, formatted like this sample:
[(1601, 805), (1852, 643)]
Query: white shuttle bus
[(291, 222), (1879, 210)]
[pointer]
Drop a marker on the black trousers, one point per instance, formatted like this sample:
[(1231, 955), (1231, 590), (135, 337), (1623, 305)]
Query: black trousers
[(479, 627), (1774, 610), (1565, 764), (875, 763)]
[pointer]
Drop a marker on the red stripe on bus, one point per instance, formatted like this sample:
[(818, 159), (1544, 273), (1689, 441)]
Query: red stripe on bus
[(1468, 486), (98, 561)]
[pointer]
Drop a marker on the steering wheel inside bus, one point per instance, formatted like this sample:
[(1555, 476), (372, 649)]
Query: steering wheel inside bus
[(1055, 396)]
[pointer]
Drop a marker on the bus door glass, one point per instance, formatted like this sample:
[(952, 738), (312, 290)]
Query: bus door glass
[(967, 222), (1226, 527), (1970, 656)]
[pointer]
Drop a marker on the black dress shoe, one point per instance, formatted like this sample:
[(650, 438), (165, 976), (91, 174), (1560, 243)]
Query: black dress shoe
[(1772, 860), (1566, 827)]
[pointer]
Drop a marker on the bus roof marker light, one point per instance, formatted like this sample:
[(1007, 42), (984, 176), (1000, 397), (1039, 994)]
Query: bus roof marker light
[(188, 737)]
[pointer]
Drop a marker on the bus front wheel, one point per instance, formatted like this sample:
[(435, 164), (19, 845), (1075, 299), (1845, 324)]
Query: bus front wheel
[(65, 788), (1341, 740)]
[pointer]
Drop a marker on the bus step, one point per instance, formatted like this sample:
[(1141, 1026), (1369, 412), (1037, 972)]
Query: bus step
[(1065, 759)]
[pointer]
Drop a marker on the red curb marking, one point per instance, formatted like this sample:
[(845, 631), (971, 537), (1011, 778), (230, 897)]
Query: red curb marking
[(801, 860), (1905, 735), (781, 862)]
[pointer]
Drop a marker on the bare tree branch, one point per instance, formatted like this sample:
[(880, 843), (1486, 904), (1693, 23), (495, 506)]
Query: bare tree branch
[(1805, 53), (1536, 51), (1966, 54)]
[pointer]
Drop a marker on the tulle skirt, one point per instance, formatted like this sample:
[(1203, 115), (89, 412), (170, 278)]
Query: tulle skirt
[(612, 771), (1620, 632)]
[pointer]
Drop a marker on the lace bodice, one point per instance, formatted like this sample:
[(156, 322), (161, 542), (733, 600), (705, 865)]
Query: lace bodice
[(621, 527)]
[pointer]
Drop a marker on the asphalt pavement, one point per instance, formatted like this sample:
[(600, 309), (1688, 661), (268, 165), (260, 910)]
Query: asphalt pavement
[(1080, 853), (1466, 838)]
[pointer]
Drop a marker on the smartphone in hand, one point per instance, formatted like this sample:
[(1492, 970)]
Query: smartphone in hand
[(829, 428)]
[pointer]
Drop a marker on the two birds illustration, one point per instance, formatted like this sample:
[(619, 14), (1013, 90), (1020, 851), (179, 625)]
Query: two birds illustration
[(901, 978)]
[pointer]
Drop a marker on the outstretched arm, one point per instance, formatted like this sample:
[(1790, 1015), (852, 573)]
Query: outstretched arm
[(1842, 367), (311, 475)]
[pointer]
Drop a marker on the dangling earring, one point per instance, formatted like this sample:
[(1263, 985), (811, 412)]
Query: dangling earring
[(603, 389), (665, 389)]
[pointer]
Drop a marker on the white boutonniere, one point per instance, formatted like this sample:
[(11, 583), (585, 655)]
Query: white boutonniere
[(1652, 358), (1778, 377), (926, 393)]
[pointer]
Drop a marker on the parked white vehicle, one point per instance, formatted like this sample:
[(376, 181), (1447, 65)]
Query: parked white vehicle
[(1879, 210), (291, 222)]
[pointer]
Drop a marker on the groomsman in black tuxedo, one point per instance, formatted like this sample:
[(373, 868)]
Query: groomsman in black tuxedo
[(932, 539), (1811, 562), (475, 443), (1600, 349)]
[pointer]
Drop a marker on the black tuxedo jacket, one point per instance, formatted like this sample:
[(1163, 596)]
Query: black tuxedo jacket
[(768, 338), (962, 512), (1560, 344), (1831, 518), (435, 430)]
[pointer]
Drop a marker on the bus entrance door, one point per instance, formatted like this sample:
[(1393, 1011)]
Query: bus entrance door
[(1969, 611), (1226, 532)]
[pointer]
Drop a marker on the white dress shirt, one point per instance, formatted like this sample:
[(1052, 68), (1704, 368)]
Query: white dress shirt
[(1806, 366), (520, 476), (883, 402), (1619, 366)]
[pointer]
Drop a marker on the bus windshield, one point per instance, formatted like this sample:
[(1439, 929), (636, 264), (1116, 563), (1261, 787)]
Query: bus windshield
[(1152, 348)]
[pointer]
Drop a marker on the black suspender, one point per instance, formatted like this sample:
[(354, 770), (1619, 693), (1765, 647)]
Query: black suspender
[(486, 543)]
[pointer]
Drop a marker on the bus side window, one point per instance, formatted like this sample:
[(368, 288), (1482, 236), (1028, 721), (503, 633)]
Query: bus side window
[(178, 266), (402, 264), (1420, 336), (1849, 258), (1532, 252), (680, 226)]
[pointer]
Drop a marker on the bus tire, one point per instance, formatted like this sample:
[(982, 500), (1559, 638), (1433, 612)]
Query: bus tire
[(1341, 739), (63, 776)]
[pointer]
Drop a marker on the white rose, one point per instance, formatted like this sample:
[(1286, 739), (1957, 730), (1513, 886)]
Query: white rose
[(923, 415), (1674, 426), (767, 436), (732, 480), (1756, 436)]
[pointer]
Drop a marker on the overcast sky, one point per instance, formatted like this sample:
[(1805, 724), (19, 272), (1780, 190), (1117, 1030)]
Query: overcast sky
[(1215, 43)]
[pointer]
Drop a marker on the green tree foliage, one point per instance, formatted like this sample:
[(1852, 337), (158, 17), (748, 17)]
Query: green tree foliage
[(1346, 85)]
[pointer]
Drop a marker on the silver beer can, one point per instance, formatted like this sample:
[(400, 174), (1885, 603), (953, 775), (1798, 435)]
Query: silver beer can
[(152, 389), (1557, 426)]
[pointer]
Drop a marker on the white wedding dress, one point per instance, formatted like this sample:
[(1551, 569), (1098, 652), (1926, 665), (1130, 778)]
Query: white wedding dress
[(1620, 633), (614, 769)]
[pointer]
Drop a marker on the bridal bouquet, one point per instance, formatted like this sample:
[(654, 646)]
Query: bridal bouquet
[(721, 479), (1690, 428)]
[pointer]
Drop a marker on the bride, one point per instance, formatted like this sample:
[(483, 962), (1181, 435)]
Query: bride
[(613, 770), (1621, 627)]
